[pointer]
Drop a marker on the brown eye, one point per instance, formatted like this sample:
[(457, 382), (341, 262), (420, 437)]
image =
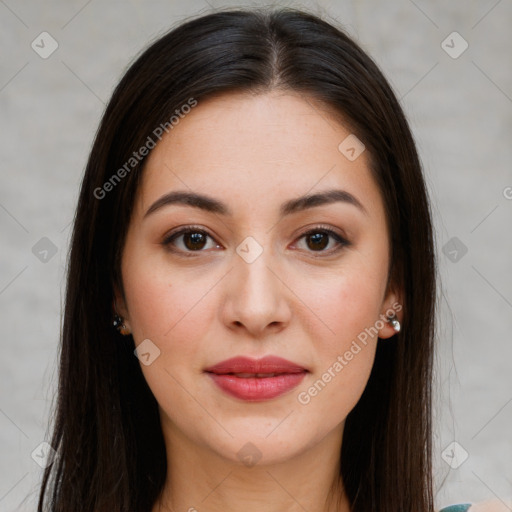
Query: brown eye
[(192, 240), (318, 239)]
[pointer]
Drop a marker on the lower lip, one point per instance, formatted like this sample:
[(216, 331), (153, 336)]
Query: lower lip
[(257, 388)]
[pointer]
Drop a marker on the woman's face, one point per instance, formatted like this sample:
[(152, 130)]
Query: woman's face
[(257, 276)]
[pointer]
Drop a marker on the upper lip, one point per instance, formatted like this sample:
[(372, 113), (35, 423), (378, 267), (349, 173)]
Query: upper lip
[(267, 364)]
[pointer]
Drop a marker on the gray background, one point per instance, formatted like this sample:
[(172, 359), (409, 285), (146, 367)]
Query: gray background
[(460, 110)]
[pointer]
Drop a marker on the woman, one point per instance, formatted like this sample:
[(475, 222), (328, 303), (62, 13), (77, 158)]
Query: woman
[(250, 306)]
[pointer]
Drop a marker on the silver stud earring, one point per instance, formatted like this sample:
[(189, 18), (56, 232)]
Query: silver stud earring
[(393, 320), (118, 323)]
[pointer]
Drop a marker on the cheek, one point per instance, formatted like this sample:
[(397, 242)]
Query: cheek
[(340, 306), (173, 308), (158, 296), (344, 322)]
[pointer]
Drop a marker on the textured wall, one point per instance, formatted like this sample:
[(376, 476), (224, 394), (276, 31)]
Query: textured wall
[(459, 103)]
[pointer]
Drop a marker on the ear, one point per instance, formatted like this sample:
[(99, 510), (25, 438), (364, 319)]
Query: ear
[(119, 306), (392, 305)]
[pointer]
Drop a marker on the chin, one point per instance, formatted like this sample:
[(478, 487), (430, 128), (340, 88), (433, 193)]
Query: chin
[(261, 444)]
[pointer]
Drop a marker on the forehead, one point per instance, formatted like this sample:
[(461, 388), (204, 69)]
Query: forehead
[(252, 148)]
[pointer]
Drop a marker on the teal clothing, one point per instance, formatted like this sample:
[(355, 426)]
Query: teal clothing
[(456, 508)]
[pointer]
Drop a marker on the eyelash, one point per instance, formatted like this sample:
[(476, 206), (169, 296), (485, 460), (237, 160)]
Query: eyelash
[(342, 242)]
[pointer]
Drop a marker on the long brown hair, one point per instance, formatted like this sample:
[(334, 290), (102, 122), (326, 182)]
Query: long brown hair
[(110, 453)]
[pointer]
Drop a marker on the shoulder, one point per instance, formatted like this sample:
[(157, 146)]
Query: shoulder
[(492, 506), (484, 506)]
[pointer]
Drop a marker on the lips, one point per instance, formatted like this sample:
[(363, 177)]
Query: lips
[(264, 367), (256, 379)]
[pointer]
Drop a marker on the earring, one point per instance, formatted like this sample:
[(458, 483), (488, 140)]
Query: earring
[(393, 320), (118, 323)]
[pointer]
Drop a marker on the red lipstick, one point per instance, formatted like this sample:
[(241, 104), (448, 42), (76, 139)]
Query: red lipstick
[(256, 379)]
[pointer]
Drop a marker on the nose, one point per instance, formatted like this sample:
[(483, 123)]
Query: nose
[(257, 299)]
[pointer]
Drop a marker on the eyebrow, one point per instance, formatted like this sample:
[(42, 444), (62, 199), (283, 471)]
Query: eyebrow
[(213, 205)]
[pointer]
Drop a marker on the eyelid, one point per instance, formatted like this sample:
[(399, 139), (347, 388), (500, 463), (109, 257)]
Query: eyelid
[(184, 229), (323, 227)]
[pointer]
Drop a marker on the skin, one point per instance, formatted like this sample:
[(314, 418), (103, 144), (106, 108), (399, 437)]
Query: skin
[(254, 152), (492, 506)]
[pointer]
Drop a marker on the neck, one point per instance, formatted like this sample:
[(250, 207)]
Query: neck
[(200, 479)]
